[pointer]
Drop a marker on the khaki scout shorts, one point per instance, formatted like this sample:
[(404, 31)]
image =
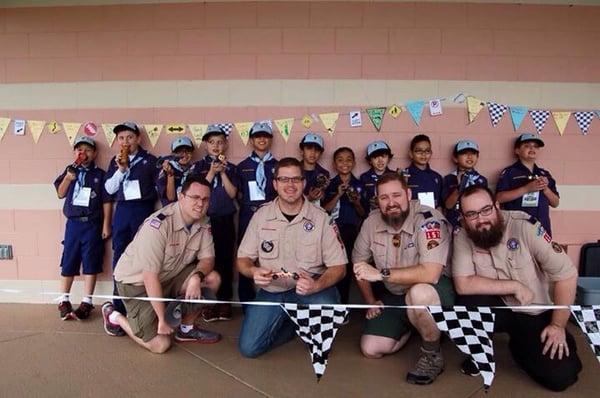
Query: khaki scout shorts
[(393, 322), (140, 314)]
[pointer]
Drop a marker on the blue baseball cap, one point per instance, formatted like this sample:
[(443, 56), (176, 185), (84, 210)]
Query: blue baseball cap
[(213, 129), (464, 145), (261, 127), (529, 137), (181, 141), (377, 146), (82, 139), (127, 126), (312, 138)]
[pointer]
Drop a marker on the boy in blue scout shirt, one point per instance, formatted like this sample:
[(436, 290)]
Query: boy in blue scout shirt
[(425, 183), (131, 179), (255, 175), (344, 200), (222, 175), (465, 155), (379, 156), (175, 169), (88, 210), (316, 177), (525, 186)]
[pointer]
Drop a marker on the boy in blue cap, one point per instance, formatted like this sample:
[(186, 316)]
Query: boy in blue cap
[(222, 175), (174, 169), (425, 183), (316, 177), (465, 155), (88, 210), (131, 179), (255, 188), (525, 186), (379, 156)]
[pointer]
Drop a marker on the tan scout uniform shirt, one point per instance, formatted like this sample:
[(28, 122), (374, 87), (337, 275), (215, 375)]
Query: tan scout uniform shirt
[(423, 238), (526, 254), (309, 242), (164, 245)]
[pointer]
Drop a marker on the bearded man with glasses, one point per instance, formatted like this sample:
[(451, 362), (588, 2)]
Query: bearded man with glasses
[(507, 258)]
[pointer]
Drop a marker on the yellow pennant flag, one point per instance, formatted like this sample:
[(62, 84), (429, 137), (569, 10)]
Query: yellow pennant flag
[(394, 111), (71, 130), (54, 127), (153, 131), (474, 106), (285, 127), (243, 129), (36, 127), (197, 131), (176, 128), (307, 121), (561, 119), (108, 133), (4, 122), (329, 120)]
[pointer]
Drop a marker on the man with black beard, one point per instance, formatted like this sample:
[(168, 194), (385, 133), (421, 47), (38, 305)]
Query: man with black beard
[(409, 245), (506, 258)]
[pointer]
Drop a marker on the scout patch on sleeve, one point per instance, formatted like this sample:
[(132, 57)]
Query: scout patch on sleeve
[(337, 234), (432, 244), (547, 237), (512, 244), (540, 230), (557, 247), (154, 223), (432, 229)]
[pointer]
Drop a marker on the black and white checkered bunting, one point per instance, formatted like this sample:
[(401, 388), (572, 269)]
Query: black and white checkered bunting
[(317, 326), (584, 119), (540, 117), (496, 112), (588, 318), (226, 127), (470, 329)]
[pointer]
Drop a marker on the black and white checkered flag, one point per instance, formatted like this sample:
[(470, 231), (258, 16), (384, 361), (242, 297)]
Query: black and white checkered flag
[(584, 119), (540, 118), (226, 127), (470, 329), (588, 318), (496, 112), (317, 326)]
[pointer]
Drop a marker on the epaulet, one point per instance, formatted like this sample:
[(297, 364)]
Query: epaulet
[(161, 216), (427, 214), (532, 220)]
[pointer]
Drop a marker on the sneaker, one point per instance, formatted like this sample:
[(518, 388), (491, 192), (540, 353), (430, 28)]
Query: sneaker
[(83, 311), (427, 368), (224, 311), (468, 367), (210, 313), (198, 335), (66, 310), (109, 327)]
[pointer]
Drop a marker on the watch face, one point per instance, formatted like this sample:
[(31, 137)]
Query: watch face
[(385, 272)]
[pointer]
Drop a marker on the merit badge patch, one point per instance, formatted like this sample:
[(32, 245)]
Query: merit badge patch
[(432, 230), (547, 237), (267, 246), (410, 245), (309, 226), (432, 244), (512, 244), (556, 247), (154, 223), (540, 230)]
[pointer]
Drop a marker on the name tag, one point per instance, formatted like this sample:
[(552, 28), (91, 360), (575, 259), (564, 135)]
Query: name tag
[(131, 190), (255, 192), (530, 199), (83, 197), (427, 199)]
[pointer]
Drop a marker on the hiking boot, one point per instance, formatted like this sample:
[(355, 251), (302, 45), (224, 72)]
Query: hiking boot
[(210, 313), (83, 311), (66, 310), (197, 335), (224, 311), (468, 367), (427, 368), (109, 327)]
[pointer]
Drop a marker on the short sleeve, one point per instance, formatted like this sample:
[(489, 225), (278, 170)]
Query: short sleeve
[(462, 256), (434, 239)]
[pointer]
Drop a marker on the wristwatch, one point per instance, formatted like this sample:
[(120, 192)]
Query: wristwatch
[(201, 275), (385, 273)]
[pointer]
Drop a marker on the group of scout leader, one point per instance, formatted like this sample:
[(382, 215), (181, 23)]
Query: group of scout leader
[(302, 235)]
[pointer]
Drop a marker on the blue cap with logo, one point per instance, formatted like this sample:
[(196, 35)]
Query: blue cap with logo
[(82, 139), (261, 127), (529, 137), (127, 126), (312, 138), (464, 145), (376, 146), (180, 142), (213, 129)]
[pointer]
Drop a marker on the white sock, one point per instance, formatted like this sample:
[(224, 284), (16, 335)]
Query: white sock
[(186, 328), (112, 318), (86, 299), (64, 298)]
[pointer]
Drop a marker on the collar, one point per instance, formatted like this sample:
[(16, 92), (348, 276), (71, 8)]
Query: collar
[(274, 212), (409, 224), (178, 223), (414, 168)]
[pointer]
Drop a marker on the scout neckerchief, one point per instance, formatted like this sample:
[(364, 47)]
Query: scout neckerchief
[(261, 178)]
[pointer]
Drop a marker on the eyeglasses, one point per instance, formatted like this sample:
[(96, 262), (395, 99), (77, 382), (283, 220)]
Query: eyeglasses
[(196, 198), (422, 151), (285, 180), (485, 211)]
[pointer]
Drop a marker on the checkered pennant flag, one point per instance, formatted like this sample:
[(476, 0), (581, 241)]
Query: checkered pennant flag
[(539, 119), (317, 326), (496, 112), (469, 328), (588, 319), (226, 127), (584, 119)]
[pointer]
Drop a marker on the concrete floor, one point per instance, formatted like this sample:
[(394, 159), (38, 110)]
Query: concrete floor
[(44, 356)]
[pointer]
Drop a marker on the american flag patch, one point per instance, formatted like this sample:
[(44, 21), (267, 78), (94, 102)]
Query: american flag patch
[(155, 223)]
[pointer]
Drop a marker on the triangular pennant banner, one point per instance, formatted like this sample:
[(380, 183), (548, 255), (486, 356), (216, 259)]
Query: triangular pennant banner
[(470, 329), (517, 114), (175, 128), (71, 130), (197, 131), (36, 127), (415, 108), (584, 119), (317, 326), (496, 112), (540, 117), (54, 127), (243, 129), (376, 116), (226, 127), (307, 121), (588, 318), (108, 133), (154, 130), (285, 127), (561, 119), (474, 106), (4, 122), (329, 120), (394, 111)]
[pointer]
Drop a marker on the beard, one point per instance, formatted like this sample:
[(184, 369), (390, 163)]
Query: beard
[(395, 221), (488, 238)]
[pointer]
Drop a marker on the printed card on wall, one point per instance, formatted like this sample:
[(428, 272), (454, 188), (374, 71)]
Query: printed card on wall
[(19, 127), (355, 119), (435, 107)]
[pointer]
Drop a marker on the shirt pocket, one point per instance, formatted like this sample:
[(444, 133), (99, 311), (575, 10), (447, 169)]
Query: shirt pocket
[(522, 270), (379, 255), (268, 245), (307, 254)]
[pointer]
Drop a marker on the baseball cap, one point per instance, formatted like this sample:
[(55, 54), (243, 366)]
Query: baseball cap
[(376, 146), (261, 127), (529, 137), (127, 126), (463, 145), (213, 129), (312, 138), (82, 139), (181, 141)]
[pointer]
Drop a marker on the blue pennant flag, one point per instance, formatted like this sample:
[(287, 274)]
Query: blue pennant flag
[(416, 110), (517, 114)]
